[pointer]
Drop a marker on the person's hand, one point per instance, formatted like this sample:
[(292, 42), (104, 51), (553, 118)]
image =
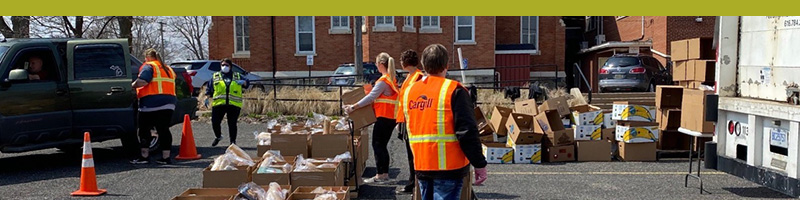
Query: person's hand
[(348, 108), (480, 176)]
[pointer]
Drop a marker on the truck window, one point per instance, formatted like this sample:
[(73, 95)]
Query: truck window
[(95, 61), (39, 62)]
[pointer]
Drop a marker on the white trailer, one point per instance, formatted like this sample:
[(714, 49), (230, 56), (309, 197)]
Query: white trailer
[(758, 60)]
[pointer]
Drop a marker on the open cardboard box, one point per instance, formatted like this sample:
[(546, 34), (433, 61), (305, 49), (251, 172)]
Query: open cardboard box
[(559, 138), (499, 119), (693, 111), (363, 116), (325, 177), (588, 132), (527, 107), (548, 121), (668, 96), (337, 189), (558, 104), (484, 126), (587, 115), (520, 130), (225, 178), (312, 196), (329, 145), (290, 144)]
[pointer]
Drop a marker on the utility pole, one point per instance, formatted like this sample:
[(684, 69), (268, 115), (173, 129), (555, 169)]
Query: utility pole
[(161, 29), (359, 54)]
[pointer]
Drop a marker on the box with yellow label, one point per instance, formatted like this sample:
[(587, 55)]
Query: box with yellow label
[(588, 132), (624, 111), (637, 134), (527, 153), (498, 153)]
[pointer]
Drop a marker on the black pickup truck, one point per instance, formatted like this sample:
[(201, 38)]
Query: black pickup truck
[(85, 87)]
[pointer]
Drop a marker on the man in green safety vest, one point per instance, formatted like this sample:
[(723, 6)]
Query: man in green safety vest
[(225, 90)]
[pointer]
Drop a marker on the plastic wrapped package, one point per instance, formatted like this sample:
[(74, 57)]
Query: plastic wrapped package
[(304, 165), (237, 160), (287, 167), (342, 157), (263, 138), (341, 125), (271, 124), (275, 155), (275, 192), (220, 163), (251, 191), (286, 128), (238, 152), (319, 190), (317, 119), (326, 165), (325, 197), (317, 131)]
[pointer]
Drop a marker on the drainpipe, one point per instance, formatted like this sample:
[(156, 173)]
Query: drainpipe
[(641, 38), (272, 33)]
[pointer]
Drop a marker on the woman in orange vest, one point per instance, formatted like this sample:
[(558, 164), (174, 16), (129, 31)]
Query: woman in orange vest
[(409, 60), (383, 98), (155, 88), (442, 130)]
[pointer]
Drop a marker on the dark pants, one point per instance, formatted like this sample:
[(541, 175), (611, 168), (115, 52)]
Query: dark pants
[(161, 121), (217, 112), (441, 189), (411, 172), (381, 133)]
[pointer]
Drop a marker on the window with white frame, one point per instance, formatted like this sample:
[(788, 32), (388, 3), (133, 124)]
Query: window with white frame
[(384, 20), (465, 29), (409, 21), (304, 34), (242, 33), (340, 22), (529, 30), (430, 22)]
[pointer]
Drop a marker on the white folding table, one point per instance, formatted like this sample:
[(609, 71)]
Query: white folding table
[(694, 135)]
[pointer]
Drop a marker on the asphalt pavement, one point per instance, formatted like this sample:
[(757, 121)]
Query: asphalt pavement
[(52, 174)]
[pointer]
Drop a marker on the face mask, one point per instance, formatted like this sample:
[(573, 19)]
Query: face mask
[(226, 69)]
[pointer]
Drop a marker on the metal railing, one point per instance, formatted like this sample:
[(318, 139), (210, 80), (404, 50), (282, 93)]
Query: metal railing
[(578, 83)]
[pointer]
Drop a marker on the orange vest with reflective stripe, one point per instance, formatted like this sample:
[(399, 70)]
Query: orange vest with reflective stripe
[(431, 125), (163, 81), (414, 77), (384, 106)]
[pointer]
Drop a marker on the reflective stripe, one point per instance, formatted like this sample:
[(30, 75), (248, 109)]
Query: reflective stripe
[(220, 97), (431, 138), (442, 156), (440, 113), (87, 163), (405, 108), (87, 148), (393, 102)]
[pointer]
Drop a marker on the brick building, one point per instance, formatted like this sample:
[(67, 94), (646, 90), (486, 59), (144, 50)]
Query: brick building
[(260, 44), (651, 35)]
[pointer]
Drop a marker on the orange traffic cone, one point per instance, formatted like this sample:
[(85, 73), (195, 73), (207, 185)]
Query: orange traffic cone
[(88, 177), (188, 150)]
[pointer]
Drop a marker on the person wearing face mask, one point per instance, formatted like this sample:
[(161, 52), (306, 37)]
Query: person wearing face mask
[(225, 90)]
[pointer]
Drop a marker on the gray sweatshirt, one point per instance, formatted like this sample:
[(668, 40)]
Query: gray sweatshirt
[(380, 88)]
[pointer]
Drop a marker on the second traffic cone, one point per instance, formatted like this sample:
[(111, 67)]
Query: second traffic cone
[(188, 150), (88, 177)]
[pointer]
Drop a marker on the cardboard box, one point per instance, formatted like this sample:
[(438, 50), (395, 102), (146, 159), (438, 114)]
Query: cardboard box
[(339, 190), (560, 138), (588, 118), (673, 140), (684, 84), (700, 49), (623, 111), (261, 149), (202, 197), (327, 177), (704, 70), (558, 104), (668, 96), (670, 119), (466, 190), (225, 179), (312, 196), (679, 50), (679, 71), (329, 145), (637, 134), (498, 153), (266, 178), (560, 153), (520, 130), (599, 150), (499, 117), (214, 193), (527, 107), (610, 134), (567, 121), (637, 151), (548, 122), (608, 122), (290, 144), (488, 138), (484, 127), (693, 111), (588, 132), (527, 153), (363, 116)]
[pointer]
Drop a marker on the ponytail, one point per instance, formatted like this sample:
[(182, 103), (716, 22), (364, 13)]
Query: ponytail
[(388, 61), (153, 53)]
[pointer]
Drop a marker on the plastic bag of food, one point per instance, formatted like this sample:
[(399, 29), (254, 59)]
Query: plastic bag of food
[(263, 138), (275, 192), (315, 160), (326, 165), (238, 152), (287, 167), (220, 163), (266, 163), (318, 190), (286, 128), (325, 197), (317, 119), (341, 125), (274, 154), (269, 170), (252, 191), (238, 161), (304, 165), (271, 124), (341, 157)]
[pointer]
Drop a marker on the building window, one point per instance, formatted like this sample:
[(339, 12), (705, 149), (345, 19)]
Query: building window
[(304, 29), (408, 24), (242, 29), (340, 25), (592, 22), (384, 20), (529, 30), (430, 21), (465, 29)]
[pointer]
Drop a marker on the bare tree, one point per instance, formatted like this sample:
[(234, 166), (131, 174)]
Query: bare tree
[(20, 27), (193, 30), (146, 34), (125, 27)]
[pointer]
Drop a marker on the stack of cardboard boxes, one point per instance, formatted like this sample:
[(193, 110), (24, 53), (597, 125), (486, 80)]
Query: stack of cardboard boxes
[(591, 141), (636, 132), (668, 105), (694, 71), (340, 192)]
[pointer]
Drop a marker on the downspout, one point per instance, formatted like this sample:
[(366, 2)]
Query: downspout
[(642, 37), (272, 34)]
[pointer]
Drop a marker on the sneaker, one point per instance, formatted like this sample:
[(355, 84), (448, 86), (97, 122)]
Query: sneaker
[(376, 179), (216, 141), (164, 161), (140, 160), (408, 189)]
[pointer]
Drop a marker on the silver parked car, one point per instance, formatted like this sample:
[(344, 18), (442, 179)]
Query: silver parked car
[(202, 72), (633, 72)]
